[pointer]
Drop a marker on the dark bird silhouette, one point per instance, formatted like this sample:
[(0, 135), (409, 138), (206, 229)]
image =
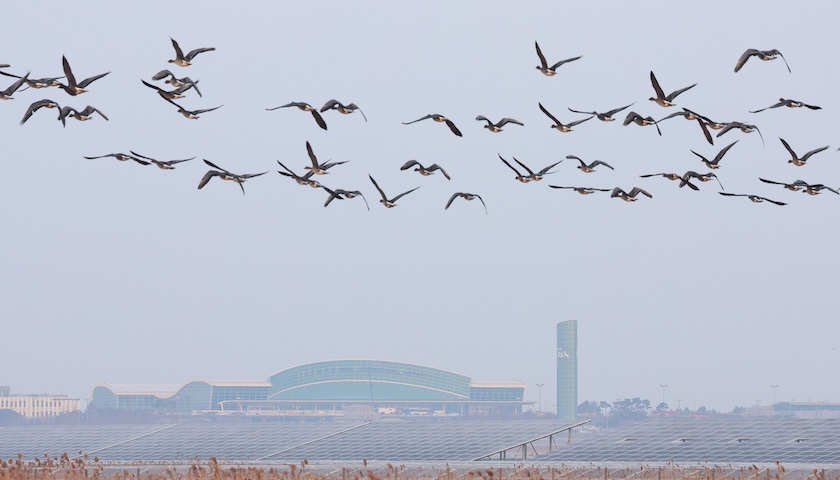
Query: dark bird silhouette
[(744, 127), (784, 102), (334, 104), (691, 116), (191, 114), (661, 99), (84, 115), (36, 82), (761, 55), (629, 196), (318, 168), (343, 194), (170, 94), (306, 108), (591, 167), (641, 121), (226, 175), (438, 118), (703, 177), (74, 88), (799, 161), (754, 198), (605, 116), (184, 60), (531, 177), (582, 190), (465, 196), (7, 93), (543, 66), (425, 171), (306, 179), (45, 103), (497, 127), (714, 163), (121, 157), (176, 82), (162, 164), (389, 202), (560, 126)]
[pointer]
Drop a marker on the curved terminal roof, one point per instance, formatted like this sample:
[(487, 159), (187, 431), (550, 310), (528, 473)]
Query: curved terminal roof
[(368, 380)]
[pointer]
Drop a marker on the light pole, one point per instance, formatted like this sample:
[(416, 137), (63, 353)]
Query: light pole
[(678, 402), (539, 387), (663, 385), (774, 387)]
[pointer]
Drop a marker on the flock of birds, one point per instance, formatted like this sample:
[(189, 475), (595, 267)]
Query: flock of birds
[(315, 168)]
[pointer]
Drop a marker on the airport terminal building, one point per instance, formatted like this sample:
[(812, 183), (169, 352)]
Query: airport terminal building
[(328, 388)]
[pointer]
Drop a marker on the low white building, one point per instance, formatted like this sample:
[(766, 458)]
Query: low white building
[(38, 406)]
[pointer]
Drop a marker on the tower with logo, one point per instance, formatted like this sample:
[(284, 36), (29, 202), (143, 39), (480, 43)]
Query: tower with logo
[(567, 375)]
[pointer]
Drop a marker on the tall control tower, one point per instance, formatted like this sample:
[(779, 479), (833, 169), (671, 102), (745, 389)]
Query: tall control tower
[(567, 372)]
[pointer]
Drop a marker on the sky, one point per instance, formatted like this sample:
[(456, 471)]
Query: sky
[(122, 273)]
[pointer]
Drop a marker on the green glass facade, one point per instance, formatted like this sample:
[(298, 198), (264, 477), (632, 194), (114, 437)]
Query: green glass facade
[(567, 372), (192, 397), (367, 380)]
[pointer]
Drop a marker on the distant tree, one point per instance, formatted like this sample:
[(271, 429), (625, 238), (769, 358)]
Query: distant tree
[(630, 409), (702, 410), (662, 407), (738, 410), (588, 408)]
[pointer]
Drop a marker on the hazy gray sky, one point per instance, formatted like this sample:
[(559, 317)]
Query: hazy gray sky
[(115, 272)]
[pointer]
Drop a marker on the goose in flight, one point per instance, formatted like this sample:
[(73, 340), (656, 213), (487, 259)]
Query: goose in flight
[(591, 167), (560, 126), (319, 168), (465, 196), (703, 177), (301, 180), (45, 103), (184, 60), (121, 157), (425, 171), (691, 116), (796, 186), (641, 121), (191, 114), (7, 93), (226, 175), (334, 104), (75, 88), (176, 82), (306, 108), (389, 202), (605, 116), (535, 177), (162, 164), (84, 115), (629, 196), (761, 55), (582, 190), (714, 163), (744, 127), (785, 102), (661, 99), (543, 66), (36, 82), (754, 198), (438, 118), (343, 194), (497, 127), (171, 94), (797, 160)]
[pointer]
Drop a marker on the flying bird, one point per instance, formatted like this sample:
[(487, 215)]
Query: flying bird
[(191, 114), (793, 187), (343, 194), (36, 82), (162, 164), (184, 60), (754, 198), (497, 127), (703, 177), (318, 168), (543, 66), (582, 190), (225, 175), (389, 202), (84, 115), (342, 108), (438, 118), (531, 177), (171, 94), (641, 121), (784, 102), (691, 116), (7, 93), (176, 82), (306, 108), (799, 161), (45, 103), (465, 196), (631, 196), (714, 163), (301, 180), (121, 157), (74, 88), (762, 55), (661, 99), (425, 171), (605, 116), (591, 167), (560, 126), (744, 127)]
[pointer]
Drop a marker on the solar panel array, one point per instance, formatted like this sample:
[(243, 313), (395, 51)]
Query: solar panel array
[(54, 440), (709, 440)]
